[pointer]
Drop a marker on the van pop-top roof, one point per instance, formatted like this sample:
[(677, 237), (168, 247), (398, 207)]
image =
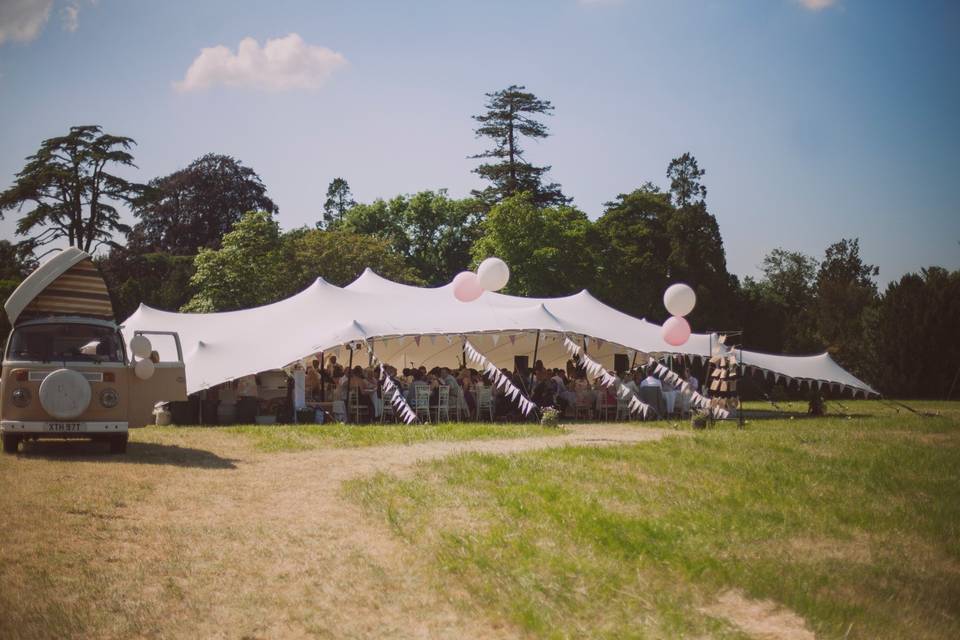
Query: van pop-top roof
[(67, 284)]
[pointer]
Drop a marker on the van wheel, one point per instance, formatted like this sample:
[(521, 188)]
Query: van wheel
[(118, 444), (10, 442)]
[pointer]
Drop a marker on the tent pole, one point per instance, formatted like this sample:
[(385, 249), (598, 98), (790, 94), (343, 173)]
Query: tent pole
[(536, 346), (323, 385), (350, 366)]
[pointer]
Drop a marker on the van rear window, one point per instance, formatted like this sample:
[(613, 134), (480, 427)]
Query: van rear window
[(65, 342)]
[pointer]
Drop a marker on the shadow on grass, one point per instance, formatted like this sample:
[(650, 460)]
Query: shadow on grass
[(137, 453)]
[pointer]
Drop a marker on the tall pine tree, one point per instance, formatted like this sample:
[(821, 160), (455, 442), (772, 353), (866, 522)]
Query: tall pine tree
[(339, 200), (509, 118)]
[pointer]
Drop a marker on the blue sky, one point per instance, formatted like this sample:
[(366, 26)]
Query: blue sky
[(815, 119)]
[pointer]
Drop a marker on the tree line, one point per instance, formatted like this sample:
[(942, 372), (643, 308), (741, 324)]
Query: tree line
[(206, 238)]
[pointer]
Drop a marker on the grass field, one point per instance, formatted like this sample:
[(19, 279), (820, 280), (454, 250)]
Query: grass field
[(305, 437), (851, 523)]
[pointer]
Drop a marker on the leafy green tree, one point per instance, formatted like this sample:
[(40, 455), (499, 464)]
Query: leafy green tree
[(258, 265), (633, 251), (549, 249), (248, 270), (648, 243), (778, 312), (685, 181), (16, 260), (339, 257), (846, 299), (790, 281), (70, 189), (339, 200), (16, 263), (433, 232), (192, 209), (509, 117), (158, 280), (918, 349)]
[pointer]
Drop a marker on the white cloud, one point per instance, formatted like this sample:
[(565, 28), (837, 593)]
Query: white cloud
[(282, 63), (816, 5), (71, 17), (22, 20)]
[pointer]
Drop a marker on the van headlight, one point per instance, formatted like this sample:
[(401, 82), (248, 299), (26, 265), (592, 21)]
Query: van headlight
[(109, 398), (20, 396)]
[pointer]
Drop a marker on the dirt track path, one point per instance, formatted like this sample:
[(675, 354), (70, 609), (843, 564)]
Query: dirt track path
[(270, 548)]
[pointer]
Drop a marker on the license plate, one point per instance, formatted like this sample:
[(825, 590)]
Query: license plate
[(65, 427)]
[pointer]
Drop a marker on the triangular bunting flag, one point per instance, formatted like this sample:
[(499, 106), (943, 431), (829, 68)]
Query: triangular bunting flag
[(496, 339)]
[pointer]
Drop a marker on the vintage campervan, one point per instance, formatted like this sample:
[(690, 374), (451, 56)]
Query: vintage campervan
[(66, 370)]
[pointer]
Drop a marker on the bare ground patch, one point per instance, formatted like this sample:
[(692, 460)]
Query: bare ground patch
[(760, 619), (220, 541)]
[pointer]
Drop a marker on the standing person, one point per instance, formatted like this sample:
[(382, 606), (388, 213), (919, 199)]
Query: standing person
[(331, 365), (691, 380), (313, 379), (651, 380)]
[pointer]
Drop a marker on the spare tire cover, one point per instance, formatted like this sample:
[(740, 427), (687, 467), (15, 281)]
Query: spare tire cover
[(65, 394)]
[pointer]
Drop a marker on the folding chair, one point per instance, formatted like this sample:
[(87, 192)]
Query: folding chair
[(443, 403), (485, 402), (582, 406), (421, 401), (354, 406), (388, 412)]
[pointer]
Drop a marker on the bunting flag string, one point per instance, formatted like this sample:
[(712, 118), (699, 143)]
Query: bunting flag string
[(675, 381), (390, 390), (595, 369), (499, 380)]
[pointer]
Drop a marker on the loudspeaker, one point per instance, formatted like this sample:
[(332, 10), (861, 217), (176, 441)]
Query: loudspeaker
[(620, 363), (521, 363)]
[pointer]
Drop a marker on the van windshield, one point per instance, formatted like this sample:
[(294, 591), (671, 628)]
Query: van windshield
[(68, 342)]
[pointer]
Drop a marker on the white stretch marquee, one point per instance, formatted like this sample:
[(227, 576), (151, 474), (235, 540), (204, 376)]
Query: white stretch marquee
[(407, 326)]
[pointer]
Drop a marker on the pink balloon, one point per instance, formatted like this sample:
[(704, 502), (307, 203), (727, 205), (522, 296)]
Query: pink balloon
[(466, 286), (675, 331)]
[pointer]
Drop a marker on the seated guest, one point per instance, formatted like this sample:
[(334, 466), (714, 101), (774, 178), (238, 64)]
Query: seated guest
[(692, 381), (544, 391), (418, 383), (580, 382), (633, 382)]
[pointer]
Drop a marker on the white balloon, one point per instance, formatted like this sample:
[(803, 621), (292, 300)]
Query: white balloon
[(679, 299), (140, 346), (144, 369), (493, 274)]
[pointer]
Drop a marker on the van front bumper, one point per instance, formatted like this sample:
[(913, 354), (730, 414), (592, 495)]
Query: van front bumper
[(60, 429)]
